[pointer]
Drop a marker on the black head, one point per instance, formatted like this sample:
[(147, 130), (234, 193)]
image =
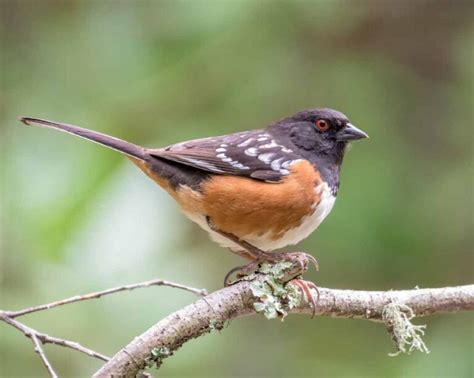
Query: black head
[(325, 127), (321, 131), (321, 136)]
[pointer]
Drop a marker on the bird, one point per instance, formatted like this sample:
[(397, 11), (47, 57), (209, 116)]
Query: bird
[(253, 191)]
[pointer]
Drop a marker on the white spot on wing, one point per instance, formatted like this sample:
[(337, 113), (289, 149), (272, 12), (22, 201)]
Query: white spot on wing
[(276, 164), (267, 157), (238, 165), (245, 143), (221, 149), (287, 164), (252, 151), (272, 144)]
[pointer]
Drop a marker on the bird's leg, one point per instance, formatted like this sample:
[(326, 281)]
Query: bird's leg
[(301, 258), (258, 256), (243, 254), (242, 270), (250, 249)]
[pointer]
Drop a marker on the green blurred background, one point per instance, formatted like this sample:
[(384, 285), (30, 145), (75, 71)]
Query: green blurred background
[(77, 218)]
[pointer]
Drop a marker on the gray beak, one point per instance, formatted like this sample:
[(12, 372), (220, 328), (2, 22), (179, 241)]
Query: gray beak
[(350, 132)]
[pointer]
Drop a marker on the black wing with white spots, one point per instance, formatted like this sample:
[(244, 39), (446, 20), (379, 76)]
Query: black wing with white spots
[(254, 154)]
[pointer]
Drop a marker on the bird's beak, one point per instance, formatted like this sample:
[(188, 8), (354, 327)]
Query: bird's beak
[(350, 132)]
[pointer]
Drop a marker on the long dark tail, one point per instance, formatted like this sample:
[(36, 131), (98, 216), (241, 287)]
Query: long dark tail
[(127, 148)]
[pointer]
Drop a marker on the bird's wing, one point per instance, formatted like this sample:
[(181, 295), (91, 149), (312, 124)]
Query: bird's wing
[(254, 154)]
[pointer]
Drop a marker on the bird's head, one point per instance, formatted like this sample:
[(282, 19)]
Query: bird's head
[(321, 136), (321, 130)]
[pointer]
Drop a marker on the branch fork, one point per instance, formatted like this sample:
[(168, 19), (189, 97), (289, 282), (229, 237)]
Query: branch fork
[(270, 292), (39, 338)]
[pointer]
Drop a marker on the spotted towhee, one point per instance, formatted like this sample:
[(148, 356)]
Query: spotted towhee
[(253, 191)]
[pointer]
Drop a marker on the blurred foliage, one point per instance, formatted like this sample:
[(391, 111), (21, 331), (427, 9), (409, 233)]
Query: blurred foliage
[(76, 217)]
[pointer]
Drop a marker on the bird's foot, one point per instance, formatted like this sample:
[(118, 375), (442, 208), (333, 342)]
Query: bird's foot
[(242, 271), (305, 287), (300, 261), (300, 258)]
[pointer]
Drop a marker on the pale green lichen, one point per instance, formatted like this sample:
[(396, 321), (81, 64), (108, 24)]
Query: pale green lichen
[(215, 325), (405, 335), (295, 296), (275, 297), (157, 355)]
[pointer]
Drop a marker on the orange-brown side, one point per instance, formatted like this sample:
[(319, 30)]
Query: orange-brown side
[(147, 169), (244, 206), (189, 199)]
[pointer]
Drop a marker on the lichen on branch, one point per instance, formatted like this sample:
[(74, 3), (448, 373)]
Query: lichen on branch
[(406, 336), (269, 292), (275, 296)]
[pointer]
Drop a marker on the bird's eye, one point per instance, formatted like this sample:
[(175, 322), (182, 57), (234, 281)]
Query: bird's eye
[(322, 124)]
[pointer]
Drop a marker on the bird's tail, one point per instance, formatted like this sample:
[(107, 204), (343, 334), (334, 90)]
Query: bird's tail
[(127, 148)]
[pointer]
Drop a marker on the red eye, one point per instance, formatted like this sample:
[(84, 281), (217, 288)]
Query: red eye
[(322, 124)]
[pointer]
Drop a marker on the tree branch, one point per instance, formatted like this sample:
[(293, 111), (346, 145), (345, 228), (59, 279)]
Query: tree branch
[(98, 294), (40, 351), (46, 339), (39, 338), (212, 312), (272, 292)]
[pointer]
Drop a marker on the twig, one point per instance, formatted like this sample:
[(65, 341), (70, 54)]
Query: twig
[(238, 300), (40, 351), (39, 338), (46, 339), (98, 294)]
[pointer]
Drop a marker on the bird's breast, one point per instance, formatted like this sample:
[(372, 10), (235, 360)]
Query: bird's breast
[(308, 224), (269, 216), (270, 241)]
